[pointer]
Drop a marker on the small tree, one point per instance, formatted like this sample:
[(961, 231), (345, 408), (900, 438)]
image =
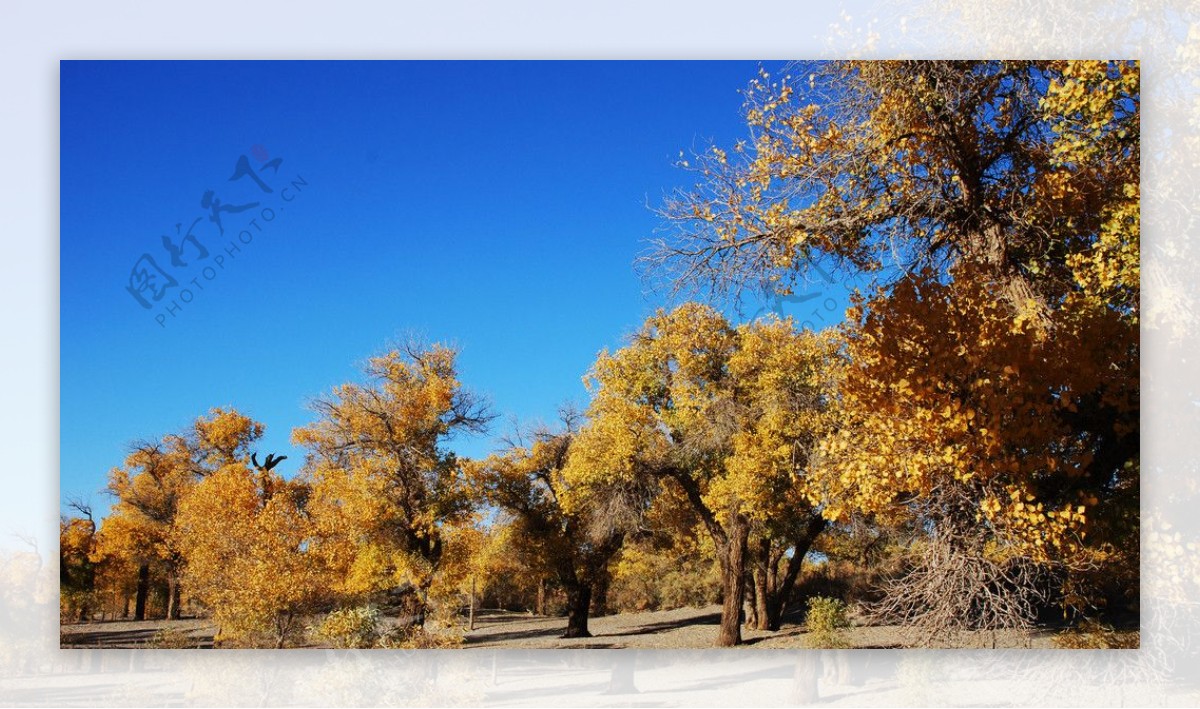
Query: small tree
[(245, 536)]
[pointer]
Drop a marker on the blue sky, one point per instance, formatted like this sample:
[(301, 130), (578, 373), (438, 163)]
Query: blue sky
[(495, 205)]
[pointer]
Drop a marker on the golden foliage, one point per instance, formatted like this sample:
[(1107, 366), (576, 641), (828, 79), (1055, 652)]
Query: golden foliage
[(245, 536), (383, 489), (947, 390), (734, 411)]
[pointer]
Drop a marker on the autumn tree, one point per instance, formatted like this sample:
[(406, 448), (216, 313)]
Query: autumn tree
[(76, 563), (526, 483), (1024, 169), (383, 485), (784, 381), (244, 532), (725, 416), (992, 390), (148, 489), (1002, 438)]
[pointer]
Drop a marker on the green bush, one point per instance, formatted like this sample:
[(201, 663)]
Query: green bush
[(826, 618), (350, 627)]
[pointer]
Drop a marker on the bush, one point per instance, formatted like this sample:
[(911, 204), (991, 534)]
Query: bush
[(650, 579), (826, 618), (414, 638), (1090, 635), (173, 639), (75, 606), (350, 627)]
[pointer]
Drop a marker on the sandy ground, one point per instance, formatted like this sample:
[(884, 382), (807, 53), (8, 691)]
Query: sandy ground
[(132, 633), (683, 628), (689, 628)]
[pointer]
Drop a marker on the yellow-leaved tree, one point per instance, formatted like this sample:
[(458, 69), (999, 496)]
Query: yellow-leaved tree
[(726, 419), (148, 489), (527, 484), (76, 568), (244, 532), (383, 485), (992, 391)]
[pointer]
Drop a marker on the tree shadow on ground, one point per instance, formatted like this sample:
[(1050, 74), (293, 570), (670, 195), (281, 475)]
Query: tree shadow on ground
[(667, 626), (553, 632), (137, 638)]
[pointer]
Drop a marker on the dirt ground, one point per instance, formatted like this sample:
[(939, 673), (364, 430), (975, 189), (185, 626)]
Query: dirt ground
[(683, 628)]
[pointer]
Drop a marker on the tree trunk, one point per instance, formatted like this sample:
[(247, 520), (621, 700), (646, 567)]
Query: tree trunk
[(173, 598), (777, 602), (540, 608), (422, 608), (579, 600), (763, 597), (283, 623), (600, 595), (733, 569), (990, 246), (471, 609), (125, 606), (752, 605), (143, 590)]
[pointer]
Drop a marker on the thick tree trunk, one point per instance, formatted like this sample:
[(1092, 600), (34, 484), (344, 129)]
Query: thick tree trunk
[(579, 601), (733, 569), (990, 246), (143, 590), (600, 595)]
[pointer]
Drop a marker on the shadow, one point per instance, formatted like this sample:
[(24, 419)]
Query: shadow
[(555, 632), (665, 626), (134, 639), (495, 616), (108, 638)]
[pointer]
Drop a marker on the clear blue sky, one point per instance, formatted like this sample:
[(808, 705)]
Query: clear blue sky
[(496, 205)]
